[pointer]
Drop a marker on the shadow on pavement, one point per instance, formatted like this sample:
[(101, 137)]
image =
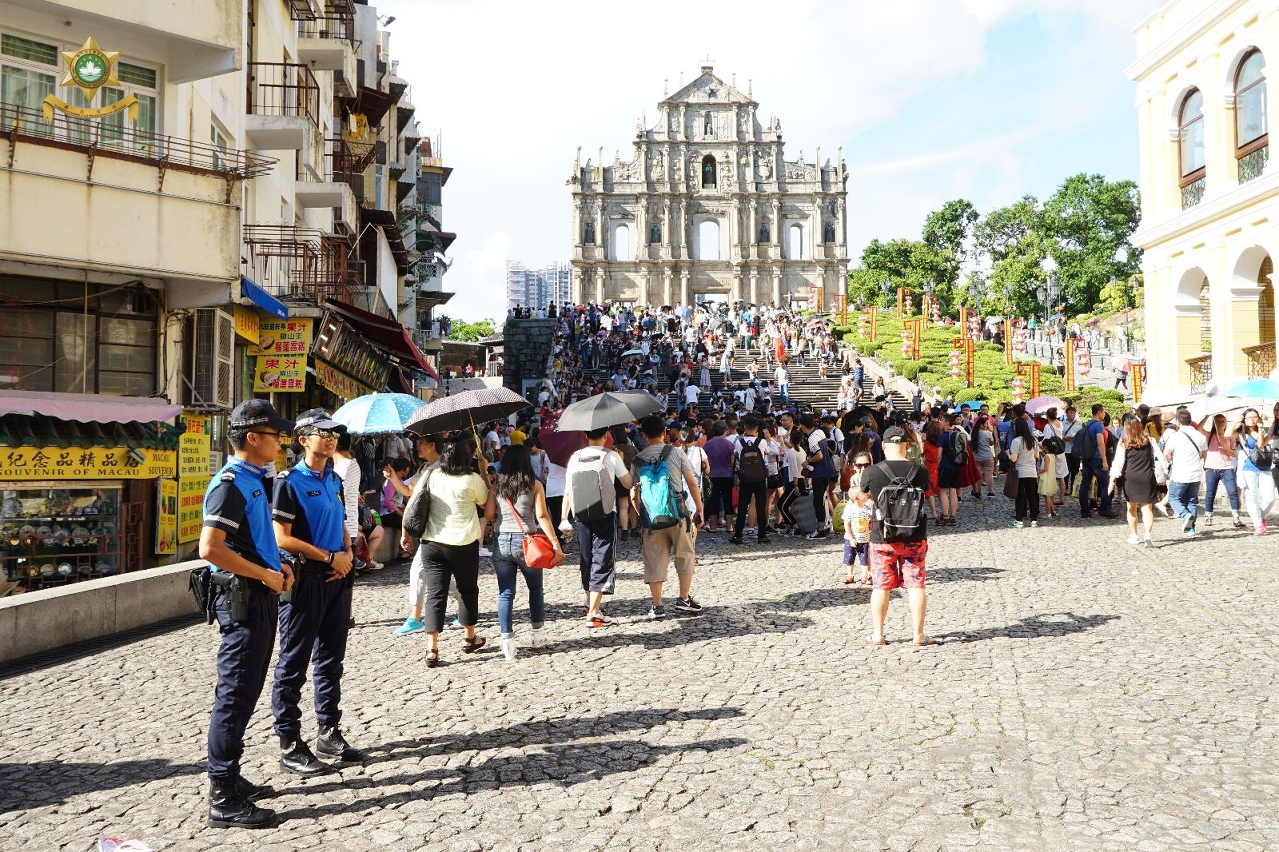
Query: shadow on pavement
[(1045, 625), (80, 650), (34, 785)]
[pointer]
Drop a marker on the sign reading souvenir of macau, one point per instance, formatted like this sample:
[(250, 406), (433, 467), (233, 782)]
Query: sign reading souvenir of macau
[(30, 463)]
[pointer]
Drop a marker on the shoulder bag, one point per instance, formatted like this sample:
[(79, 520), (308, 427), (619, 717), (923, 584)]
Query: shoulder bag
[(538, 550)]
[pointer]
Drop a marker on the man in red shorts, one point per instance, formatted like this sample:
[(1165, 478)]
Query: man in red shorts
[(899, 563)]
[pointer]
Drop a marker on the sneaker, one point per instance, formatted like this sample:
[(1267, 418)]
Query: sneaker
[(599, 621), (1133, 540), (656, 612), (1187, 523), (737, 539), (687, 604), (1207, 520), (1034, 523), (484, 551), (815, 534), (1017, 525), (410, 625), (455, 624)]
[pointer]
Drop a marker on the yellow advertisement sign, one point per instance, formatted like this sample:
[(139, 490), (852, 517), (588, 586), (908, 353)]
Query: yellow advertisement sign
[(342, 385), (191, 508), (281, 352), (247, 324), (193, 449), (166, 517), (28, 463)]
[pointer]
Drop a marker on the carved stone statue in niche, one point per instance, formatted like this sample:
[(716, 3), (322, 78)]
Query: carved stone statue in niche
[(765, 168), (828, 234), (588, 233), (764, 236), (659, 166), (655, 232), (708, 125)]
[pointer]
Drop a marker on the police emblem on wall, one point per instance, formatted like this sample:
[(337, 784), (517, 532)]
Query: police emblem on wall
[(89, 69)]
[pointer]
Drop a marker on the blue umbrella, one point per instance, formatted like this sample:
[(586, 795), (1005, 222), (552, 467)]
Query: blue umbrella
[(973, 404), (378, 413), (1266, 389)]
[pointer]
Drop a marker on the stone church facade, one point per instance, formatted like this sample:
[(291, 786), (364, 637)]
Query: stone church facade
[(708, 207)]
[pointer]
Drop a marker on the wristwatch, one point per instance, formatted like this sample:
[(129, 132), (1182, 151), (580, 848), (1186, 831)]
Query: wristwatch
[(329, 561)]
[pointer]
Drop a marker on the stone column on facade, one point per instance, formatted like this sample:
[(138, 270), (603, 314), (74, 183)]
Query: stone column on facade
[(666, 285), (777, 286), (841, 235), (641, 228), (776, 233), (754, 285), (577, 287), (643, 286), (600, 286), (666, 228), (683, 286), (736, 294), (752, 231)]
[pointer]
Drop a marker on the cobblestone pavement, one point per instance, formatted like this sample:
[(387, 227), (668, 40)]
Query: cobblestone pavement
[(1087, 696)]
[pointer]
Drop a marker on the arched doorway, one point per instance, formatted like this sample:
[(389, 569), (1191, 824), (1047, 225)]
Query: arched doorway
[(708, 240), (795, 242), (1251, 331), (1192, 331), (621, 243)]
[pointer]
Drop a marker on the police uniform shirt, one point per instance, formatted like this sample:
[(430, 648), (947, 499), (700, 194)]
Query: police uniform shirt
[(312, 503), (236, 503)]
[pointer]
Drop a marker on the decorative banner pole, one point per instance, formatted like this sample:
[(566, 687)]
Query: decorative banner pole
[(901, 301), (917, 334), (963, 317), (1034, 378), (1138, 381), (1008, 340), (874, 324), (970, 361), (1069, 362)]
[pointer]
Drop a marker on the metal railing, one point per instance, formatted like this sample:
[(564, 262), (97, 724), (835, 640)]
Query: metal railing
[(283, 88), (1200, 372), (337, 22), (1261, 360), (99, 137), (302, 263), (347, 161)]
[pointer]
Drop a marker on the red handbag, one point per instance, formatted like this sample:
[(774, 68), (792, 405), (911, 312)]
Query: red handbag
[(539, 552)]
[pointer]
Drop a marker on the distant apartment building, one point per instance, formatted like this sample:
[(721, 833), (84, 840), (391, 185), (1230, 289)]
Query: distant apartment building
[(537, 288)]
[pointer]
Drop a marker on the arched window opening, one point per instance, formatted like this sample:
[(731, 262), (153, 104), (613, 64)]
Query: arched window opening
[(1251, 121), (1191, 123), (795, 242), (709, 175), (708, 240), (621, 243)]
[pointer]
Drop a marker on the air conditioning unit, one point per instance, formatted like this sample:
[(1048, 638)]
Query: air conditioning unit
[(210, 352)]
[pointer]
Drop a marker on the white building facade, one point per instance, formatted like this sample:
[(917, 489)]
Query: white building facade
[(709, 208)]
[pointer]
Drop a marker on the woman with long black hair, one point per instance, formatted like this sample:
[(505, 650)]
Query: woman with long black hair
[(1025, 453), (451, 541), (517, 504)]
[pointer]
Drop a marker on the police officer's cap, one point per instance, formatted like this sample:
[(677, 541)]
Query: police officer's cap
[(317, 418), (258, 412)]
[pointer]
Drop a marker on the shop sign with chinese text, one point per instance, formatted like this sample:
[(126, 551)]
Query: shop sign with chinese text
[(30, 463), (281, 352), (342, 385), (166, 517), (191, 508), (193, 448)]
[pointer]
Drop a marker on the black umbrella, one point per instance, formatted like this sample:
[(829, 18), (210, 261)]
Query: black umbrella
[(596, 412), (463, 410), (641, 403)]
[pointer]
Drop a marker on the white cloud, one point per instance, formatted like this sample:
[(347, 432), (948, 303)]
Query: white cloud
[(517, 87)]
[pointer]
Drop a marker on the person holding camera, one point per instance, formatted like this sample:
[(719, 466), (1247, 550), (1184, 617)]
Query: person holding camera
[(236, 539), (310, 523)]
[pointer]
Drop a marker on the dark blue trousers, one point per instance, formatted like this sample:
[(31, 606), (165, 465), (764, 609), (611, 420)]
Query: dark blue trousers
[(243, 661), (313, 630)]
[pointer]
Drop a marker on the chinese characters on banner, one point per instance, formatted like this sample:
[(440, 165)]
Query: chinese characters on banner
[(193, 470), (166, 518), (26, 463), (281, 354), (342, 385)]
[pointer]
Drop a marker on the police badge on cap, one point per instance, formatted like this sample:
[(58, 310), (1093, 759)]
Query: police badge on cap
[(258, 412), (316, 419)]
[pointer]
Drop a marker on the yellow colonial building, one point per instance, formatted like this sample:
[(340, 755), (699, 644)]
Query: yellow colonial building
[(1209, 198)]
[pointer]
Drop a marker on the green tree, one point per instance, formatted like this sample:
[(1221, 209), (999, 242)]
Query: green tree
[(1011, 240), (1086, 223), (471, 331)]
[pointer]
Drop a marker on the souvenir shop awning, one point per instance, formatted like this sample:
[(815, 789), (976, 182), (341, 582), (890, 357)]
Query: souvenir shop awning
[(41, 432), (263, 299), (386, 334), (88, 407)]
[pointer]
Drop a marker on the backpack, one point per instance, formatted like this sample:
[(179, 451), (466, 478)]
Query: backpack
[(1053, 445), (659, 503), (594, 498), (899, 508), (750, 463), (957, 449), (1079, 448)]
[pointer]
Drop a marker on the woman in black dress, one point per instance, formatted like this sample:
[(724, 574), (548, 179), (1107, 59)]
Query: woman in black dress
[(1135, 464)]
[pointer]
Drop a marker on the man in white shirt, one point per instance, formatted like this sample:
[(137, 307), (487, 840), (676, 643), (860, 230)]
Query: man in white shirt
[(596, 536), (1185, 449), (396, 448), (782, 377), (691, 394)]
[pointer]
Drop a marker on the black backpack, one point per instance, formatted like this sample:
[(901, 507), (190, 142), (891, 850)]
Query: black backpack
[(899, 508), (1080, 447), (750, 463), (957, 449)]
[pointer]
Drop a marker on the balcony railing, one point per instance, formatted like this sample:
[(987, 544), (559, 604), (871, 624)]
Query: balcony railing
[(1261, 360), (347, 161), (337, 22), (1253, 164), (1200, 372), (283, 88), (302, 263), (102, 138), (1193, 193)]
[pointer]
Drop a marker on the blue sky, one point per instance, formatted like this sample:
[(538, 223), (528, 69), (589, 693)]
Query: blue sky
[(931, 100)]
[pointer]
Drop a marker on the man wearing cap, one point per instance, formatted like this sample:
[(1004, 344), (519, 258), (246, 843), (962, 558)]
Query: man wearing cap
[(309, 523), (895, 564), (236, 539)]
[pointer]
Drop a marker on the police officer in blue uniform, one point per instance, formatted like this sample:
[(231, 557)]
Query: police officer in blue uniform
[(238, 539), (310, 523)]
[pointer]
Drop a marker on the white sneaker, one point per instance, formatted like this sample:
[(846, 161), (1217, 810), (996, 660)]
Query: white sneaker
[(508, 648), (537, 638), (484, 551), (1132, 539)]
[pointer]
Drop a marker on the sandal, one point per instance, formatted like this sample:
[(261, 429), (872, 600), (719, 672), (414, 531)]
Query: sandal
[(871, 640), (848, 581), (432, 658), (475, 643), (928, 640)]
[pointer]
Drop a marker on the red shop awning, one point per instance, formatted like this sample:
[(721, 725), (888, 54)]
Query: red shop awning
[(386, 334)]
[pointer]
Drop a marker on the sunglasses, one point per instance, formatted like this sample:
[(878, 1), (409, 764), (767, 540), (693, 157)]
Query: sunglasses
[(276, 435), (323, 434), (860, 466)]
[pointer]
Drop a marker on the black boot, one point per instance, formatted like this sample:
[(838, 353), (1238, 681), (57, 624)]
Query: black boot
[(296, 757), (246, 789), (331, 743), (228, 809)]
